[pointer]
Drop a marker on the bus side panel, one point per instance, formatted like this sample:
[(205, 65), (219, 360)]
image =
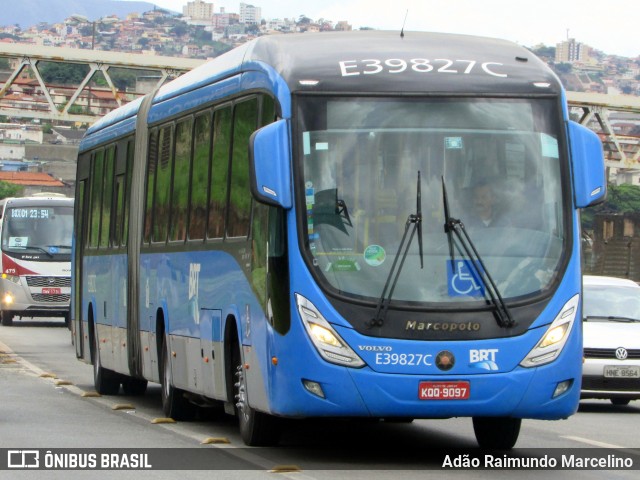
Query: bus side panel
[(194, 293), (105, 276)]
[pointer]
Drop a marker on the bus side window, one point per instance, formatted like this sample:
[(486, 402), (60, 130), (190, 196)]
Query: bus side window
[(245, 121), (219, 172), (180, 190), (151, 176), (200, 177), (95, 212), (162, 190), (107, 196)]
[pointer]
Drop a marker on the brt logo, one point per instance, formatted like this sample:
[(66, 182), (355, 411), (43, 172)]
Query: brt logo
[(483, 355), (484, 359), (194, 279)]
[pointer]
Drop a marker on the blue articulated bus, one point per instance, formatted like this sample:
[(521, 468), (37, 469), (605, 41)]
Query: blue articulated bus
[(359, 224)]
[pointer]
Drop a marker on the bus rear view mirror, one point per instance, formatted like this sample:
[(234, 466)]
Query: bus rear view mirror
[(587, 160), (270, 161)]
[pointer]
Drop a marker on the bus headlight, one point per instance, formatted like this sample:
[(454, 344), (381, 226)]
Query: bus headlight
[(11, 278), (554, 340), (326, 340), (7, 299)]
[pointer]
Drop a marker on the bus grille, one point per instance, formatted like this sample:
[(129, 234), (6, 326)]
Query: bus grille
[(60, 298), (44, 281), (610, 353)]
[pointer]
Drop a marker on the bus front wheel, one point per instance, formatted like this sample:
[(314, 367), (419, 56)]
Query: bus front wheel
[(496, 433), (256, 428), (7, 318)]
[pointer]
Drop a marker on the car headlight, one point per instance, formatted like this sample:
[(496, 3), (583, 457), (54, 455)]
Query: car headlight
[(326, 340), (554, 340)]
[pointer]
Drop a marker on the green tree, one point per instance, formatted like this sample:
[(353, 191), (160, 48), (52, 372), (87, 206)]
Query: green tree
[(620, 199), (63, 73), (9, 189)]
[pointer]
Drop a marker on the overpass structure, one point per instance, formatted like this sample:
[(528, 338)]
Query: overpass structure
[(595, 110), (25, 93)]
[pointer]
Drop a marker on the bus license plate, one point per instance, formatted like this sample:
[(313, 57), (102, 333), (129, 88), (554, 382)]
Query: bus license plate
[(443, 390), (51, 291), (629, 371)]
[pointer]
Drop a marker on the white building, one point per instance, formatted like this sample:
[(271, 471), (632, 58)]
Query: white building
[(250, 15)]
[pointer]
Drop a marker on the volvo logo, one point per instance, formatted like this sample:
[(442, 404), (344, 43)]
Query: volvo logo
[(445, 360), (621, 353)]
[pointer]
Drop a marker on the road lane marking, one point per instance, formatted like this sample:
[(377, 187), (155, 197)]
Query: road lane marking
[(588, 441)]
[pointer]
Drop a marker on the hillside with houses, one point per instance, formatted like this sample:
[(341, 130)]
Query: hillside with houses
[(201, 32)]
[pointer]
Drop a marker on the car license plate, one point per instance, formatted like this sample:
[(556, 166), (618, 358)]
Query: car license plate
[(615, 371), (443, 390), (51, 291)]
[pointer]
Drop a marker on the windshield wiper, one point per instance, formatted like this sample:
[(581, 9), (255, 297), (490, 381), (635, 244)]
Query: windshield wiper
[(60, 246), (613, 318), (414, 219), (455, 227)]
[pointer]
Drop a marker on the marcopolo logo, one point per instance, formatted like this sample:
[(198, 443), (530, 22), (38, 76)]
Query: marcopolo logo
[(417, 326)]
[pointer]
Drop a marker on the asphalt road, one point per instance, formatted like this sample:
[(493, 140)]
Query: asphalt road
[(45, 405)]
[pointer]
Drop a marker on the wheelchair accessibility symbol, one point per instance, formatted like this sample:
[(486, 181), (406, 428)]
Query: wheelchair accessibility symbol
[(463, 279)]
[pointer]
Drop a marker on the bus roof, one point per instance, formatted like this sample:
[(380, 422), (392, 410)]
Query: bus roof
[(374, 62), (36, 200)]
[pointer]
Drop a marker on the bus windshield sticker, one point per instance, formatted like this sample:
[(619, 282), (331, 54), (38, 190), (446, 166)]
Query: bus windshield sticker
[(322, 146), (374, 255), (453, 143), (464, 280), (18, 241), (306, 143), (549, 146)]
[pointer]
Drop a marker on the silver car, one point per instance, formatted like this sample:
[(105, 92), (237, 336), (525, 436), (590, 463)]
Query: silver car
[(611, 314)]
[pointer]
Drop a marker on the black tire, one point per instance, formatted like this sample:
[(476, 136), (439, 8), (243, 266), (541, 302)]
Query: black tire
[(496, 433), (7, 318), (67, 321), (105, 381), (134, 386), (619, 402), (174, 403), (256, 428)]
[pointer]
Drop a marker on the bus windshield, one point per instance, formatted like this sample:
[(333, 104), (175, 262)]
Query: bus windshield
[(498, 160), (38, 230)]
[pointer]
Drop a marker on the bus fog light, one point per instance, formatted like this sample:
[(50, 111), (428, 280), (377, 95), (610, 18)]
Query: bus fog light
[(561, 388), (313, 387)]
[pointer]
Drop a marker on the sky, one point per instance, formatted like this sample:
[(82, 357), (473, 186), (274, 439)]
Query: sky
[(607, 25)]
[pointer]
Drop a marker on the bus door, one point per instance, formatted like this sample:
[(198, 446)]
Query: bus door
[(81, 210), (212, 352)]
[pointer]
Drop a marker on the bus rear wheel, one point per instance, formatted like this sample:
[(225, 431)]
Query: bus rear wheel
[(105, 381), (496, 433), (174, 403), (256, 428)]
